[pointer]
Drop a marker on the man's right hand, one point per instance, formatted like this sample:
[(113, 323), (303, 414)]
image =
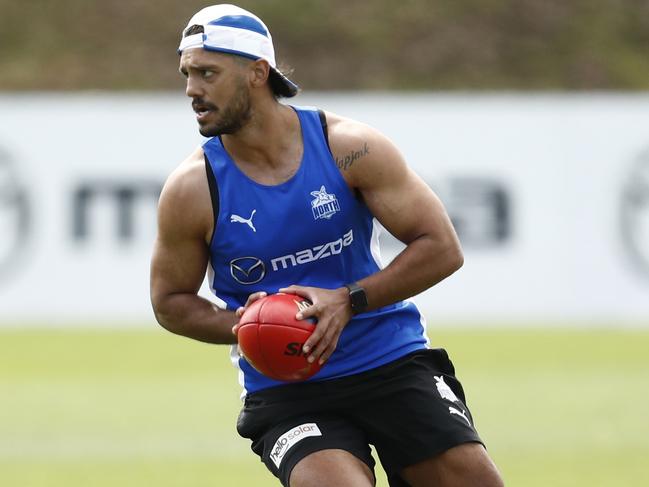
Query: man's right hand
[(241, 309)]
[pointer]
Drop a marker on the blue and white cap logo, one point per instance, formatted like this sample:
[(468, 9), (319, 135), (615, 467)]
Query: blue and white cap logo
[(233, 30)]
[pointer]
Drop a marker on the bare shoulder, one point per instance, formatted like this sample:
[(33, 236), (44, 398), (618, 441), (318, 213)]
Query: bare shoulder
[(187, 174), (185, 204), (362, 153)]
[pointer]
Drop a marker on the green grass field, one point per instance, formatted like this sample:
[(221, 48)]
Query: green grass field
[(134, 408)]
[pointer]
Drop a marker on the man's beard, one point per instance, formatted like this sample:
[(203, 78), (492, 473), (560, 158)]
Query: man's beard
[(232, 117)]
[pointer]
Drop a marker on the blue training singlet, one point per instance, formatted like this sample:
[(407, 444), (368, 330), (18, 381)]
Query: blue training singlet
[(311, 230)]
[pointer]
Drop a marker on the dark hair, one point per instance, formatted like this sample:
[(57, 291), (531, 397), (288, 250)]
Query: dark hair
[(277, 84), (275, 81)]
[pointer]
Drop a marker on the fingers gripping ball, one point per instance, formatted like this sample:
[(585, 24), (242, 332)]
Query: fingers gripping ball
[(271, 339)]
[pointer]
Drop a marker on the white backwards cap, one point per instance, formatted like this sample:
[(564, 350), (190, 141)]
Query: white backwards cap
[(231, 29)]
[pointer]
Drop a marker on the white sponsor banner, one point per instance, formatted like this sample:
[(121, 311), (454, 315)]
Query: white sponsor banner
[(549, 193)]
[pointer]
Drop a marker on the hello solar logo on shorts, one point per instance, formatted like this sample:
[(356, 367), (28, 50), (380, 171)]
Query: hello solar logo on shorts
[(290, 438)]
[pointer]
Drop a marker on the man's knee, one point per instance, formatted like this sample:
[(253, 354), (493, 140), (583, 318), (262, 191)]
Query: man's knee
[(335, 468), (466, 465)]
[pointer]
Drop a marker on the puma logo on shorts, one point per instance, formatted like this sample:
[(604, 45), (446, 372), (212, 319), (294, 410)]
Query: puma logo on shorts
[(290, 438)]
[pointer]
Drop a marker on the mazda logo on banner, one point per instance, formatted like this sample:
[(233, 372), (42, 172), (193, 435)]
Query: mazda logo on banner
[(247, 270), (15, 216), (634, 214)]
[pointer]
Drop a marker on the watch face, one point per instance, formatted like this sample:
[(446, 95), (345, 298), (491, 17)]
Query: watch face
[(358, 299)]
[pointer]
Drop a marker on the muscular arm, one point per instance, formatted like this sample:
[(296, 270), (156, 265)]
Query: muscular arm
[(405, 206), (180, 258)]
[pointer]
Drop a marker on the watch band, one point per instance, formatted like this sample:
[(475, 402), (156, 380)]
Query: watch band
[(357, 298)]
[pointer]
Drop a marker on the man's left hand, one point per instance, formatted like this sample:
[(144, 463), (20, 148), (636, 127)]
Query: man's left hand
[(332, 309)]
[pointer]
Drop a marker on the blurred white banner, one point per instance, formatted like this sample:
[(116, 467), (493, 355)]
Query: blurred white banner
[(549, 193)]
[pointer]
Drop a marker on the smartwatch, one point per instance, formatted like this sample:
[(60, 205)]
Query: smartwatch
[(357, 298)]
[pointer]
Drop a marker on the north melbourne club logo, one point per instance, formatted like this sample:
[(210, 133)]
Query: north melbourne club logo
[(324, 205)]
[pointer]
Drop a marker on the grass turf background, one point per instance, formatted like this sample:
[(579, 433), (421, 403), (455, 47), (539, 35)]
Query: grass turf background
[(560, 407)]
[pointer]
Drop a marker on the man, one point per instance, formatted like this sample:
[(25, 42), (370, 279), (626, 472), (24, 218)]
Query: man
[(283, 198)]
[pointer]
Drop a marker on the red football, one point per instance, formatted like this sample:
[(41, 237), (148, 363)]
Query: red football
[(271, 339)]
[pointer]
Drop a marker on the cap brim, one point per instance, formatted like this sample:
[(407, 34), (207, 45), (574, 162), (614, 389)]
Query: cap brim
[(285, 87)]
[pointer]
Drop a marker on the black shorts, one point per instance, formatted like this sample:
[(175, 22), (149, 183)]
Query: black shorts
[(409, 410)]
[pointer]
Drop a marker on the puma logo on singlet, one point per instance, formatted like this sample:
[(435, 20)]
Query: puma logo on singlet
[(248, 221)]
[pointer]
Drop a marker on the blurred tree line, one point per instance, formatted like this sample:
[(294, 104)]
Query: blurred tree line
[(340, 44)]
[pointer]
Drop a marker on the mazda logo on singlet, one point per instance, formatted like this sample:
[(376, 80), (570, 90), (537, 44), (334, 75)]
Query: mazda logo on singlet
[(247, 270), (15, 216)]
